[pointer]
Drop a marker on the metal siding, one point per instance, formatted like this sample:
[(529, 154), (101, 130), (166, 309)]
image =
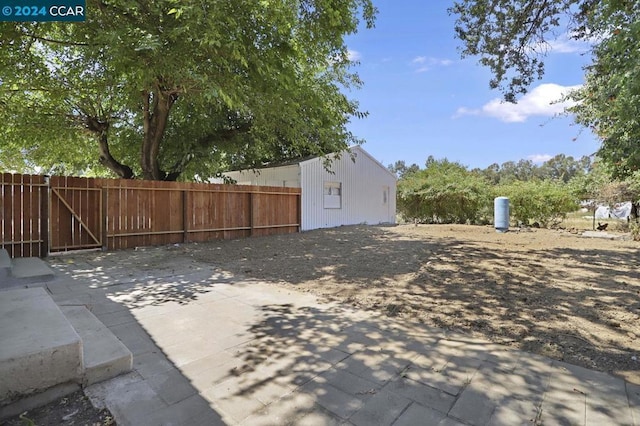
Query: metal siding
[(362, 186)]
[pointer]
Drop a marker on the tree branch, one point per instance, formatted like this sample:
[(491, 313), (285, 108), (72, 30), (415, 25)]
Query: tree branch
[(100, 129), (50, 40)]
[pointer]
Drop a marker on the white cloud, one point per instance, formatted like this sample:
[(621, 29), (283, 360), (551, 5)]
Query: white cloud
[(544, 100), (466, 111), (353, 55), (539, 158), (427, 63), (566, 44)]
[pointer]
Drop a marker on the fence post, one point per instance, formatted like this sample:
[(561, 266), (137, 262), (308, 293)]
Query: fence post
[(251, 221), (104, 210), (44, 217), (299, 207), (185, 216)]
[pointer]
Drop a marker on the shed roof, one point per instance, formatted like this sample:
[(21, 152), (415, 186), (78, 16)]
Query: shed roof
[(361, 150), (309, 159)]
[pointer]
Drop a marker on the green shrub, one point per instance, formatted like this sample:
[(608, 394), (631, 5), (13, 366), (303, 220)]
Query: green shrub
[(444, 192), (538, 201)]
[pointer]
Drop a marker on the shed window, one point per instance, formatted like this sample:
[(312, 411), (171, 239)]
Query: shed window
[(332, 195)]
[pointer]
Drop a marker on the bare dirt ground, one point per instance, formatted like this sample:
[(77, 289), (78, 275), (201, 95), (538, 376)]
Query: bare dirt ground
[(545, 291), (72, 410)]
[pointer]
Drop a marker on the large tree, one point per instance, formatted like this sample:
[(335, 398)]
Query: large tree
[(609, 101), (157, 89), (512, 37)]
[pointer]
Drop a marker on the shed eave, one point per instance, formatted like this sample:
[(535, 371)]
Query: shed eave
[(360, 150)]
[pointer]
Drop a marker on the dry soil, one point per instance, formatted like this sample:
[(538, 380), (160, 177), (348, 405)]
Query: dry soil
[(72, 410), (550, 292)]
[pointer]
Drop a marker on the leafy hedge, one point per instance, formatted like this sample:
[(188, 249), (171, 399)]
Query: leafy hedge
[(538, 201), (446, 192)]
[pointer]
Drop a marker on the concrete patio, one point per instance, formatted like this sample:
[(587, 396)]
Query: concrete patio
[(210, 348)]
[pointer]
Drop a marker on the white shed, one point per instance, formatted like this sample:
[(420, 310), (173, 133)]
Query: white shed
[(356, 188)]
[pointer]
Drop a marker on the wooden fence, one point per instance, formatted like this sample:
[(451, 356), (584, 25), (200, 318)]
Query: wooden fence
[(41, 215)]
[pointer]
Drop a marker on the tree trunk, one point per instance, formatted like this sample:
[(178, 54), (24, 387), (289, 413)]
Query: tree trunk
[(123, 171), (156, 107), (635, 211), (100, 129)]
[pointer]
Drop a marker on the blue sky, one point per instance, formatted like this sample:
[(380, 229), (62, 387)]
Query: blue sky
[(423, 99)]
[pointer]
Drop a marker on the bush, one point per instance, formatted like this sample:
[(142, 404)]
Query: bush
[(538, 201), (444, 192)]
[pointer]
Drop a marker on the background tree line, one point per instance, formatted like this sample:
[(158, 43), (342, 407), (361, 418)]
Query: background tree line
[(449, 192)]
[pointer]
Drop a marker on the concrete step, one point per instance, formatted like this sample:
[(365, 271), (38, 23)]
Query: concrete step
[(40, 349), (31, 270), (105, 356), (5, 263), (23, 271), (47, 351)]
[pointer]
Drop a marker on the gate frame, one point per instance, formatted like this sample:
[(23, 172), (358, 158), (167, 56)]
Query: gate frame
[(97, 240)]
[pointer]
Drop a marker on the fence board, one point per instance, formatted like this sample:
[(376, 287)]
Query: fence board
[(5, 216), (20, 204), (28, 207), (17, 212)]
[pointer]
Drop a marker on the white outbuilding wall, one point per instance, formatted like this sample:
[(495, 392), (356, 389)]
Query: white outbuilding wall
[(356, 189), (367, 191)]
